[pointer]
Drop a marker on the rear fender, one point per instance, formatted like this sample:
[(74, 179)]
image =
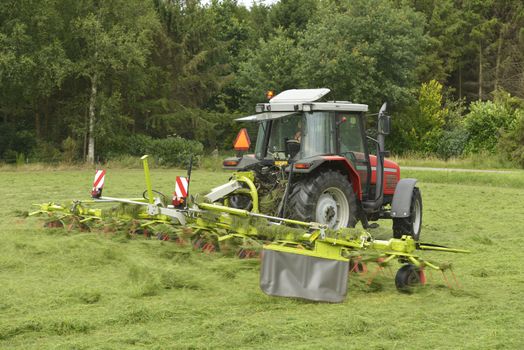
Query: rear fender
[(402, 198), (332, 162)]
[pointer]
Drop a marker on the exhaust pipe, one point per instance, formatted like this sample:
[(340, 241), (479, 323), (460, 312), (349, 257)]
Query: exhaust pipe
[(383, 130)]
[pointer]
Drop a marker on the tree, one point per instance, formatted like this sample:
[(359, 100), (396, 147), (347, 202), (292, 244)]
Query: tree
[(293, 15), (446, 30), (488, 120), (511, 143), (364, 51), (33, 63), (115, 35), (273, 65)]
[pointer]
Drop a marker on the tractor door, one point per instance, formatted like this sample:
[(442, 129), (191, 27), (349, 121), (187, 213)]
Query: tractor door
[(352, 146)]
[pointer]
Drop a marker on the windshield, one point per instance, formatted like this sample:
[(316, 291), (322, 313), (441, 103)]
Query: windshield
[(284, 130), (309, 134), (259, 147), (319, 134)]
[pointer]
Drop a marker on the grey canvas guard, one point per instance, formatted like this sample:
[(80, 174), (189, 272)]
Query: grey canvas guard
[(301, 276)]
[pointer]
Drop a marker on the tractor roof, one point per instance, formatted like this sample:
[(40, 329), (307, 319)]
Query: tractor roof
[(297, 100), (300, 95)]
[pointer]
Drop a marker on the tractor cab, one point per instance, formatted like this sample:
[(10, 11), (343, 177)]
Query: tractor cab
[(294, 129), (328, 169)]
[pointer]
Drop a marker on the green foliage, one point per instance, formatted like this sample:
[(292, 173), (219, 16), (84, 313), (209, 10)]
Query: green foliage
[(451, 143), (70, 150), (45, 152), (484, 123), (431, 115), (511, 143), (293, 15), (272, 65), (170, 151), (364, 52), (175, 151), (15, 142), (188, 68), (421, 126)]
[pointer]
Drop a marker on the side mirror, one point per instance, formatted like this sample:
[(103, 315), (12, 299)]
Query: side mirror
[(384, 124), (383, 108), (384, 121)]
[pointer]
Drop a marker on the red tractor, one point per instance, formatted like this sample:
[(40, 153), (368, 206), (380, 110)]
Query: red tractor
[(313, 163)]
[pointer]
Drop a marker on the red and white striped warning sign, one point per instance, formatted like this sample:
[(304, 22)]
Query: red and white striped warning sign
[(99, 180), (181, 186)]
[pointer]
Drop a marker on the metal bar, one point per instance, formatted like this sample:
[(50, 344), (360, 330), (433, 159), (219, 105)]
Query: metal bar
[(148, 179), (153, 209), (414, 261), (388, 259), (245, 213), (286, 192), (120, 200), (104, 199), (441, 249), (435, 267), (252, 191), (189, 178)]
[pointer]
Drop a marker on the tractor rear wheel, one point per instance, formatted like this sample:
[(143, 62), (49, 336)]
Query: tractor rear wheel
[(412, 224), (325, 197)]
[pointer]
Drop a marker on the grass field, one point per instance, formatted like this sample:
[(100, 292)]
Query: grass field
[(71, 290), (473, 161)]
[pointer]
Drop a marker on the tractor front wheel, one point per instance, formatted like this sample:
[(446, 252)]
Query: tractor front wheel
[(412, 224), (325, 197)]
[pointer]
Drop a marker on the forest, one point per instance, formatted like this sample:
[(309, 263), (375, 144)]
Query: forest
[(94, 80)]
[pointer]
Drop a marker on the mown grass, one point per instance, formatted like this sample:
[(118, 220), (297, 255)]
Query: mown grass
[(72, 290)]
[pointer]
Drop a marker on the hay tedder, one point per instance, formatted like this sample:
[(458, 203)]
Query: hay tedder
[(295, 201)]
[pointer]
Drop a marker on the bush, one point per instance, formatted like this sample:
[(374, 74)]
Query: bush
[(170, 151), (10, 156), (175, 151), (119, 145), (45, 152), (419, 127), (511, 144), (15, 144), (451, 143), (70, 150), (484, 124)]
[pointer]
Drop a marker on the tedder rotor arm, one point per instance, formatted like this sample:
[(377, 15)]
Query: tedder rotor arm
[(246, 213)]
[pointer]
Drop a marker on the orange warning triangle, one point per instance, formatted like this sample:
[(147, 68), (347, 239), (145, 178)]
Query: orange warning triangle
[(242, 141)]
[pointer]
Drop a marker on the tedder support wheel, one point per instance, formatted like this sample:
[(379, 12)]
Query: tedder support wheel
[(412, 224), (326, 197), (408, 276)]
